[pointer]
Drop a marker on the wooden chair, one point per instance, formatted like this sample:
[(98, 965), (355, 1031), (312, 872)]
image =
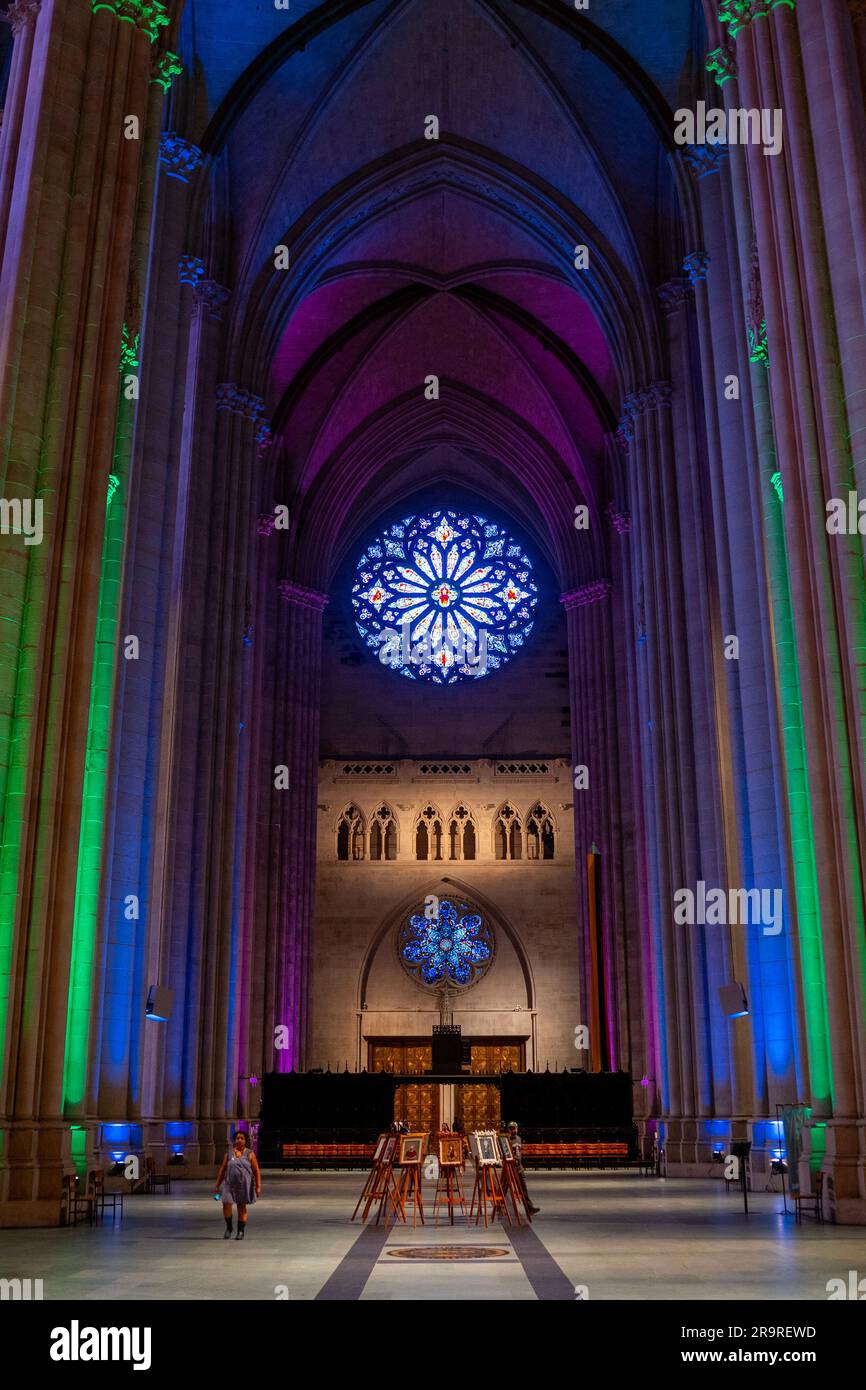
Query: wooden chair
[(811, 1201), (154, 1179), (101, 1197), (74, 1200)]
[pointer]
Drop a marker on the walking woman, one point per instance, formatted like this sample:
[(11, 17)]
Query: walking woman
[(239, 1181)]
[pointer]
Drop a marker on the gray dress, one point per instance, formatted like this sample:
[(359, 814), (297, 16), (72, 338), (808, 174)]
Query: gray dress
[(239, 1183)]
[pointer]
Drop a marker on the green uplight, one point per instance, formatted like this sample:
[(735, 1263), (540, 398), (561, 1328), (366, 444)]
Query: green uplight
[(91, 833), (776, 480)]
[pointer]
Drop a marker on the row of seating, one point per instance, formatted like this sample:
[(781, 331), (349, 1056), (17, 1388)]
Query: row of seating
[(327, 1155), (593, 1153)]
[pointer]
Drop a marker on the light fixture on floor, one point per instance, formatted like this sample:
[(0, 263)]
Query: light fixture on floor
[(733, 1000)]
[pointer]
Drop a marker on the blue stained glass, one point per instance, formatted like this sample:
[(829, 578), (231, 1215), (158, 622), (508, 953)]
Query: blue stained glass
[(436, 607), (453, 945)]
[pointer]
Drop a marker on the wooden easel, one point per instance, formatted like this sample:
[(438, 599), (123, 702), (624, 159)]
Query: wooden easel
[(390, 1195), (410, 1188), (372, 1188), (515, 1190), (449, 1191), (488, 1188)]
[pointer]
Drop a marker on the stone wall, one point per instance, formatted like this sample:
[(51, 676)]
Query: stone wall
[(359, 987)]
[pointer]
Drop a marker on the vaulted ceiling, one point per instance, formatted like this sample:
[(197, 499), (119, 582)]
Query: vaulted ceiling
[(413, 257)]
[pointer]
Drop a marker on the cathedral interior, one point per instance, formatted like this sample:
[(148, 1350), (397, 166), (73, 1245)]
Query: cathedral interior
[(433, 604)]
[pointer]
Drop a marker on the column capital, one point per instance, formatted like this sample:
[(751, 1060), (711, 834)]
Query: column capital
[(595, 592), (722, 63), (696, 265), (22, 14), (211, 296), (756, 320), (230, 396), (857, 9), (181, 158), (703, 160), (673, 295), (737, 14), (190, 269), (147, 15), (166, 67), (303, 598), (619, 520), (129, 349)]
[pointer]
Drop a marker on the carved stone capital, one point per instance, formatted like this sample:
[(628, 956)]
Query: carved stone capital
[(590, 593), (306, 598), (737, 14), (181, 158), (211, 297), (857, 9), (756, 322), (703, 160), (129, 349), (673, 295), (660, 393), (619, 520), (722, 63), (166, 68), (190, 269), (696, 265), (230, 396), (147, 15), (22, 14)]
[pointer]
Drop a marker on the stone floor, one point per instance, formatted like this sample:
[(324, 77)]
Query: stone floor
[(599, 1236)]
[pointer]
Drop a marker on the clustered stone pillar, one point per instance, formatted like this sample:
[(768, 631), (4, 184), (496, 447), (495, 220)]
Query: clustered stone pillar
[(809, 214), (292, 792), (595, 771), (678, 756), (64, 289)]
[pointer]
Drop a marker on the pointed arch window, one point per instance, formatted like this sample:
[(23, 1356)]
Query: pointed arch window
[(428, 834), (351, 834), (508, 834), (462, 838), (383, 833), (540, 834)]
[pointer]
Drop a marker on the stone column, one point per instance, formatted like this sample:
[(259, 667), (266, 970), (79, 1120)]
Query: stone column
[(808, 230), (21, 17), (63, 293), (295, 749)]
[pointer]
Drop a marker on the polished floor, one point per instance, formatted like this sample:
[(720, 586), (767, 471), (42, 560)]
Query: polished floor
[(599, 1236)]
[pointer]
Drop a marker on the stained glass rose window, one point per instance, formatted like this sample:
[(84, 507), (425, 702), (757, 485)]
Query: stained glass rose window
[(444, 596), (451, 944)]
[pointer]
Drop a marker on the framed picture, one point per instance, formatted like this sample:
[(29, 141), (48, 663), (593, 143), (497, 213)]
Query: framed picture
[(412, 1148), (505, 1148), (390, 1148), (473, 1145), (450, 1149), (488, 1149), (380, 1145)]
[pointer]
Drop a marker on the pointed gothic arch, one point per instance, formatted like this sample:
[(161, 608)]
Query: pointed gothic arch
[(351, 834), (384, 836)]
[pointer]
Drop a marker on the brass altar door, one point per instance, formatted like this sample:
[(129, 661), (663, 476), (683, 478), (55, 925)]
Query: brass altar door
[(477, 1106), (418, 1106)]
